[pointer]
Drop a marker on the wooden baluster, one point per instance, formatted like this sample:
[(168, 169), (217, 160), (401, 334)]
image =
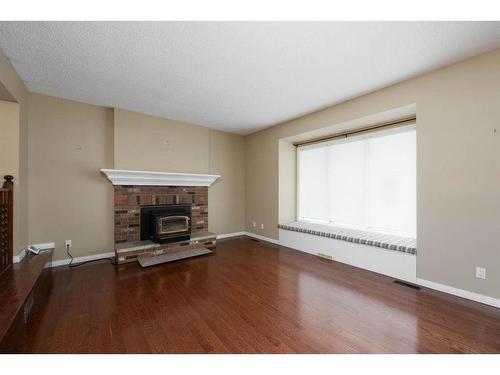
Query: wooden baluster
[(7, 222)]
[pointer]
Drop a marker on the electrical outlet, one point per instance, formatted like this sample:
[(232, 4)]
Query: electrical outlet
[(261, 226), (68, 243), (481, 273), (254, 224)]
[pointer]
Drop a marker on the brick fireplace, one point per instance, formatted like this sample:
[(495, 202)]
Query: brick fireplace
[(152, 191), (129, 199)]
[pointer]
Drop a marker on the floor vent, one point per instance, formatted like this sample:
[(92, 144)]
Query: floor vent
[(408, 285), (325, 256)]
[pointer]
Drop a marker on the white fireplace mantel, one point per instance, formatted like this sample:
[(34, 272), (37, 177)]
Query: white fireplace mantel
[(123, 177)]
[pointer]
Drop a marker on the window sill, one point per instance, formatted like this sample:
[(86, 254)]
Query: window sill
[(384, 241)]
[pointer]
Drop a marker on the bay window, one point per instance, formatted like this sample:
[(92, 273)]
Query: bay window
[(365, 181)]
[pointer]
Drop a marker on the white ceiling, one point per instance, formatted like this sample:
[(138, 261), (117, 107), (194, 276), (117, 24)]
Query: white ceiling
[(233, 76)]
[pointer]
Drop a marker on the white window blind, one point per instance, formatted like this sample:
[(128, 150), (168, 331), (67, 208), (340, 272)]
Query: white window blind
[(366, 182)]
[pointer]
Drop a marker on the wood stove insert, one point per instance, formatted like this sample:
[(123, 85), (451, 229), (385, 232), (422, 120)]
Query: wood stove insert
[(166, 223)]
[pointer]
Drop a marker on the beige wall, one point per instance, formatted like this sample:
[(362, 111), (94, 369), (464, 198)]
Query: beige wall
[(262, 179), (69, 199), (287, 181), (458, 168), (69, 142), (226, 197), (9, 158), (10, 80), (12, 89), (151, 143), (5, 94), (9, 139)]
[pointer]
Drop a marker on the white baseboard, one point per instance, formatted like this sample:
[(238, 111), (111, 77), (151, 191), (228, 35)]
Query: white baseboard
[(495, 302), (19, 257), (42, 246), (229, 235), (249, 234), (64, 262)]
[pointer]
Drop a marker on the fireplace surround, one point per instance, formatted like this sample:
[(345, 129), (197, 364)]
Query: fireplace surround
[(141, 210), (132, 200), (159, 213)]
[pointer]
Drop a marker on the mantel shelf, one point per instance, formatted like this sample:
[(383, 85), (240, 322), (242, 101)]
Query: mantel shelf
[(124, 177)]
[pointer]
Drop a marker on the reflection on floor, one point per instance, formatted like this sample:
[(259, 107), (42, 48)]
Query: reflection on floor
[(253, 297)]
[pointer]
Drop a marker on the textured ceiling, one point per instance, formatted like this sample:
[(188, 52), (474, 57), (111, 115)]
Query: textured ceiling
[(232, 76)]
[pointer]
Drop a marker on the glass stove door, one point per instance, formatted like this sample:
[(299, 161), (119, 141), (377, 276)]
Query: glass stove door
[(173, 224)]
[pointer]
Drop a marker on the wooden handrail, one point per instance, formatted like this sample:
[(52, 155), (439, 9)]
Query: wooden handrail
[(6, 223)]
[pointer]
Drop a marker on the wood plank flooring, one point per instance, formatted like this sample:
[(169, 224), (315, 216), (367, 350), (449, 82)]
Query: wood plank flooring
[(253, 297)]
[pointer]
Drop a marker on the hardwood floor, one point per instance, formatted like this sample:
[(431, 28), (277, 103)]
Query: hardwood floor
[(253, 297)]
